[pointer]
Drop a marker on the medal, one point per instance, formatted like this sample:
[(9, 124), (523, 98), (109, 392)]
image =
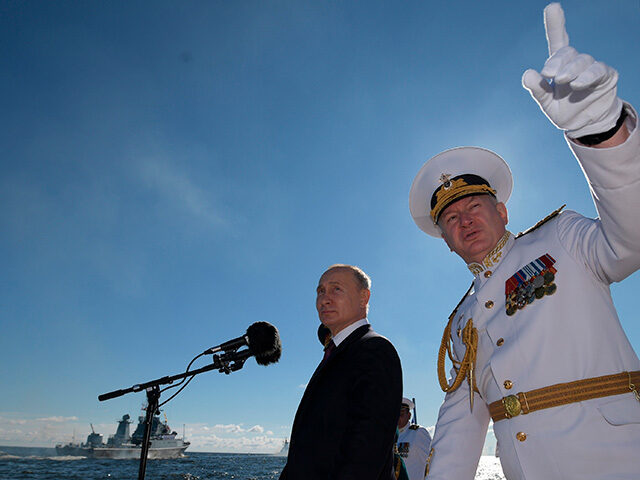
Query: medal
[(532, 282)]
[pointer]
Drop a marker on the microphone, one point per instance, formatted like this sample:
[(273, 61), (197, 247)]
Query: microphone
[(230, 345), (263, 341)]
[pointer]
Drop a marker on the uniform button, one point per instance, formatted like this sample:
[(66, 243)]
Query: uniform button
[(500, 342), (521, 436), (459, 331), (487, 274), (489, 304), (508, 384)]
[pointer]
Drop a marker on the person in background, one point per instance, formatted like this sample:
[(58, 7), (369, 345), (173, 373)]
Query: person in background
[(399, 467), (414, 442)]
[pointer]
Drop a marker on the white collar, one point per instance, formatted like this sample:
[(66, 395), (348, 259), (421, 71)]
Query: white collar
[(492, 258), (346, 331)]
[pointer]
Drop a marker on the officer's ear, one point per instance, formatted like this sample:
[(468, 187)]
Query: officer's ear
[(502, 211), (444, 237)]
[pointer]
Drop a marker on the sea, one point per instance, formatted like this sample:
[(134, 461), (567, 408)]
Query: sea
[(18, 463)]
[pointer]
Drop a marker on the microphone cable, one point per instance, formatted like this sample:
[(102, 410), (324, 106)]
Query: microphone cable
[(181, 381)]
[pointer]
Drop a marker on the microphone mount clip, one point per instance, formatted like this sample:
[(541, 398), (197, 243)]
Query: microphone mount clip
[(231, 360)]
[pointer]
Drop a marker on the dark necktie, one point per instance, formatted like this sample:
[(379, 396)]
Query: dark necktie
[(328, 350)]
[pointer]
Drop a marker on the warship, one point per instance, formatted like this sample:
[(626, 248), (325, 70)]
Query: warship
[(73, 449), (285, 449), (164, 442)]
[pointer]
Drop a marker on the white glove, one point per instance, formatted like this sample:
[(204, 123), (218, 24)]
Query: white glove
[(577, 93)]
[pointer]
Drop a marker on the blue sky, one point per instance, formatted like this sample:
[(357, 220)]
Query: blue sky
[(175, 171)]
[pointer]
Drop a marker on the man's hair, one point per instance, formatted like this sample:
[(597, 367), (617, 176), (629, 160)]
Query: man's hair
[(362, 278)]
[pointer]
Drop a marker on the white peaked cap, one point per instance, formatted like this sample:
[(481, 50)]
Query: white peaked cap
[(450, 164)]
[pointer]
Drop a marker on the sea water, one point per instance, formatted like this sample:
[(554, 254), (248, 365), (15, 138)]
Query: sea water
[(40, 464)]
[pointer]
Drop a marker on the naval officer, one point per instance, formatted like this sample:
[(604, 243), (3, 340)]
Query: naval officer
[(413, 442), (536, 342)]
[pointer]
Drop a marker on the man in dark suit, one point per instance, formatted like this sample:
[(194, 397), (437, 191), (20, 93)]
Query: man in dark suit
[(345, 424)]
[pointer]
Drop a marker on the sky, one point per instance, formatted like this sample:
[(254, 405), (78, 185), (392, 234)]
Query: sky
[(172, 172)]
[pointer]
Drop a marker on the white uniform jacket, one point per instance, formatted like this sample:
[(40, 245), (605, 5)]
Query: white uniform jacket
[(570, 333), (413, 444)]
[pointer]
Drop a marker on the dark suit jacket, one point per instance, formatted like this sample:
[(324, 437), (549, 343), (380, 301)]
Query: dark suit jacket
[(346, 421)]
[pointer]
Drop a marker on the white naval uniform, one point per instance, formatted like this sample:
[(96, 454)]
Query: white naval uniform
[(413, 446), (570, 335)]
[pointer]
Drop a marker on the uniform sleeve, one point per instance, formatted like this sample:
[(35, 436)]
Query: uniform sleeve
[(424, 444), (610, 245), (459, 436), (425, 441), (376, 395)]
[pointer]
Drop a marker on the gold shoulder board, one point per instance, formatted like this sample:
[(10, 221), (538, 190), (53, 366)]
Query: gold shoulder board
[(542, 222), (453, 314)]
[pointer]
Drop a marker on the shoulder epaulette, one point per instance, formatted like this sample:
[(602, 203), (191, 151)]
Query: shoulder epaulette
[(414, 427), (460, 302), (542, 222)]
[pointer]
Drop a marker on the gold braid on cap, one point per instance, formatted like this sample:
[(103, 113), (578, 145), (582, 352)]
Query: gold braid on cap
[(457, 188)]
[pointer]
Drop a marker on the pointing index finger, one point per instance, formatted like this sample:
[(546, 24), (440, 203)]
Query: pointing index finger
[(557, 36)]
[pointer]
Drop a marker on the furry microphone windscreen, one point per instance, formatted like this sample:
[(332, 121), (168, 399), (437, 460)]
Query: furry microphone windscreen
[(264, 342)]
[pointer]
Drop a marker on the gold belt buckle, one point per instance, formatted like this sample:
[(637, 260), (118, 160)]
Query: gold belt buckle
[(512, 406)]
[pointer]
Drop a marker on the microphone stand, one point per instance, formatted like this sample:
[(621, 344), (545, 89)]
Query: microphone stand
[(153, 397), (226, 363)]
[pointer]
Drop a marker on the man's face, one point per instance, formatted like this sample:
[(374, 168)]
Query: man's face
[(404, 417), (340, 301), (472, 226)]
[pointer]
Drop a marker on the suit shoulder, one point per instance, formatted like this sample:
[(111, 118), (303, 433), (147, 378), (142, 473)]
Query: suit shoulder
[(374, 337), (375, 341), (546, 219), (374, 345)]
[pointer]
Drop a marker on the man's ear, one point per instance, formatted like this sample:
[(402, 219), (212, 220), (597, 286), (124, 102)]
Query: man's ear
[(444, 237), (502, 211), (364, 297)]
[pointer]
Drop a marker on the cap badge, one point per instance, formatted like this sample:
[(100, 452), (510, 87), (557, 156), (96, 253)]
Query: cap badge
[(453, 189), (444, 180)]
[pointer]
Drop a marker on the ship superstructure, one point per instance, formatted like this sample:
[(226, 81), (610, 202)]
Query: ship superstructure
[(164, 442)]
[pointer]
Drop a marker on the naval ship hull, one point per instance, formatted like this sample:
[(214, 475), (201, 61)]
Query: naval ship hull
[(120, 452), (71, 450), (134, 452)]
